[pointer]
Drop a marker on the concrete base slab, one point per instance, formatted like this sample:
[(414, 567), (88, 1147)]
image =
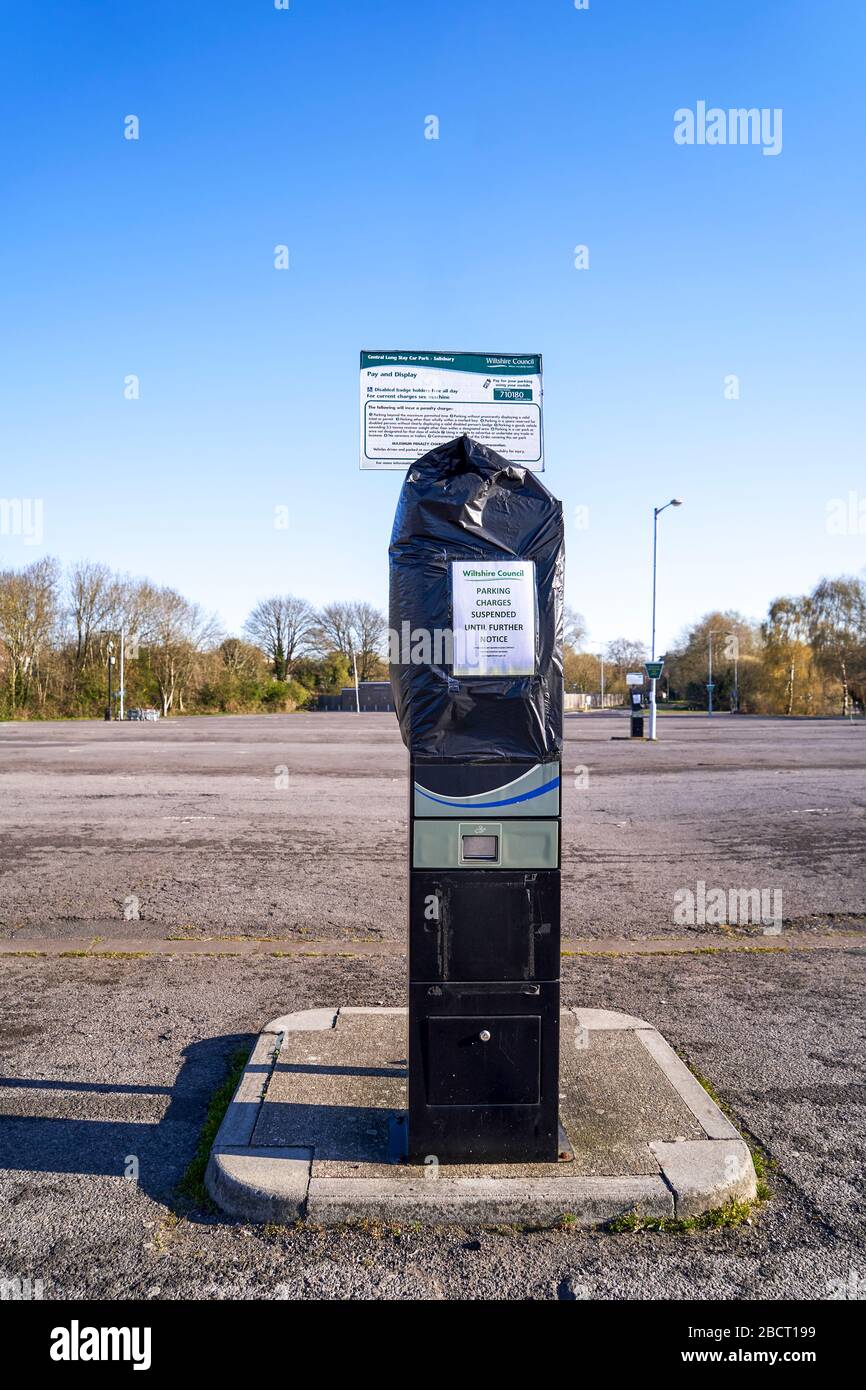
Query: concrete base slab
[(525, 1201), (260, 1184), (703, 1176), (311, 1132)]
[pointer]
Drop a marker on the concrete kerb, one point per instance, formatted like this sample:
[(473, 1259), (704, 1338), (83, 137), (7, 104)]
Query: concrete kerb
[(261, 1184)]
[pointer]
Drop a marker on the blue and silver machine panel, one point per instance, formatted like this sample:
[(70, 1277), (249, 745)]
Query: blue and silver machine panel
[(503, 789)]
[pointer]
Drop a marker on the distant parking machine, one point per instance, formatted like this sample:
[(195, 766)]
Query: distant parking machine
[(477, 561), (634, 680), (636, 702)]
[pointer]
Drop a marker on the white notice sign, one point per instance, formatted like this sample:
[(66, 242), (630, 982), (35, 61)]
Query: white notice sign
[(413, 401), (493, 617)]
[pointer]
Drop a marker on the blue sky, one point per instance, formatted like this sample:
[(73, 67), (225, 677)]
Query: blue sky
[(260, 127)]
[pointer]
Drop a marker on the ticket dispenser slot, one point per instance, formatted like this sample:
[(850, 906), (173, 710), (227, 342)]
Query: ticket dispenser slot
[(475, 847)]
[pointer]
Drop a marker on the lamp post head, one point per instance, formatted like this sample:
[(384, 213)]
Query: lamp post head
[(674, 502)]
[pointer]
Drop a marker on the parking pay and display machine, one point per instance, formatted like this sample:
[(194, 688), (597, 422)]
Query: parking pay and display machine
[(476, 568), (636, 713)]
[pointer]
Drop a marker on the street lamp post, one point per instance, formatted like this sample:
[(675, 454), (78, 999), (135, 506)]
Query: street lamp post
[(601, 659), (357, 692), (110, 664), (657, 511), (735, 706), (122, 691), (710, 675), (710, 683)]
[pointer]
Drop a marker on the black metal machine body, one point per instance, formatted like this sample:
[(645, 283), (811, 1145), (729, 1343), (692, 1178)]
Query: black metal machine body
[(477, 560), (636, 713)]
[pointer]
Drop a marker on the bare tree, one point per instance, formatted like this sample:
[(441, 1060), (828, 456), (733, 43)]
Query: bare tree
[(29, 618), (736, 643), (352, 629), (368, 634), (280, 627), (138, 608), (240, 658), (837, 630), (95, 596), (785, 633), (625, 655), (177, 631), (332, 630), (574, 629)]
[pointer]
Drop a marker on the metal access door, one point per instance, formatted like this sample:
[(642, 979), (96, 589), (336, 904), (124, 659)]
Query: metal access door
[(483, 1064), (483, 1059), (483, 926)]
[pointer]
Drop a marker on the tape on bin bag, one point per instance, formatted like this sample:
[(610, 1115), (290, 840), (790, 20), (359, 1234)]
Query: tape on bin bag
[(462, 501)]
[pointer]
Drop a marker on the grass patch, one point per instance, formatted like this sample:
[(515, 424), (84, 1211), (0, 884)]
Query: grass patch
[(733, 1213), (372, 1226), (119, 955), (763, 1163), (95, 955), (314, 955), (711, 1092), (763, 1166), (724, 949), (191, 1186)]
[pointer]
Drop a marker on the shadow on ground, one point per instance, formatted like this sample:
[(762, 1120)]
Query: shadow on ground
[(33, 1141)]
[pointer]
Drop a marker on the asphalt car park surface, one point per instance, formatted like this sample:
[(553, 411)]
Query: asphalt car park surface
[(292, 829), (106, 1060), (295, 825)]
